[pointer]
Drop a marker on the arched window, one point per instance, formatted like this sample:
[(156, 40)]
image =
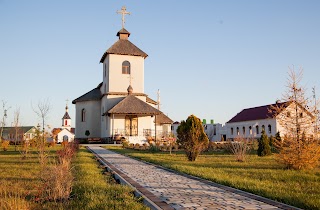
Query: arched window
[(238, 133), (83, 115), (126, 67), (257, 129), (66, 122), (231, 131), (269, 128), (65, 138), (250, 130), (243, 130), (263, 128)]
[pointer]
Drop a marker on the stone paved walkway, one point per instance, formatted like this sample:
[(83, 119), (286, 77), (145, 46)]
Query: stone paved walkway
[(180, 192)]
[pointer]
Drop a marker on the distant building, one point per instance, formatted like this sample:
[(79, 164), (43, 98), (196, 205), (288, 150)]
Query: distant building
[(251, 121), (215, 132), (66, 132), (23, 133)]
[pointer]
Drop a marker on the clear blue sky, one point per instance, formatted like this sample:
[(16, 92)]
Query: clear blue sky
[(208, 58)]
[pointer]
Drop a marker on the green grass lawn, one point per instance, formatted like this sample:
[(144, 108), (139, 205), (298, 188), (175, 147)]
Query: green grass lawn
[(259, 175), (19, 181)]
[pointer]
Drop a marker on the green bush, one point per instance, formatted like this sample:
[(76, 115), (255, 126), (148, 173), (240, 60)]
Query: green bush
[(192, 137), (264, 148)]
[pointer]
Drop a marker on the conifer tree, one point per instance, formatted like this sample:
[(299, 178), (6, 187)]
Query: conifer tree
[(191, 137), (298, 149), (264, 145)]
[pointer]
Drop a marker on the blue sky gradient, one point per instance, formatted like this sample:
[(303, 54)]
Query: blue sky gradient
[(208, 58)]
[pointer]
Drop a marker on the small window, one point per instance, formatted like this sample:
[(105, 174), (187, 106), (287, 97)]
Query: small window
[(301, 115), (250, 130), (126, 67), (231, 131), (83, 115), (257, 129), (243, 130), (269, 128), (65, 122), (105, 70), (238, 133), (263, 128)]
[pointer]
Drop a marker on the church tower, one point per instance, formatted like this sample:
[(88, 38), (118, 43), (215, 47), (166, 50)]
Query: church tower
[(66, 120), (123, 64)]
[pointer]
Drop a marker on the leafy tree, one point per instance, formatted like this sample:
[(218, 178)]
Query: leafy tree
[(264, 148), (192, 137)]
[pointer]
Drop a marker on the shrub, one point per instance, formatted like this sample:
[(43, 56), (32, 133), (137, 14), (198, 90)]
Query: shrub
[(264, 148), (239, 148), (154, 148), (125, 144), (5, 145), (192, 137)]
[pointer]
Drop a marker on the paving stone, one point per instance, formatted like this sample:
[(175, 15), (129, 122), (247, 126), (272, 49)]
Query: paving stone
[(180, 192)]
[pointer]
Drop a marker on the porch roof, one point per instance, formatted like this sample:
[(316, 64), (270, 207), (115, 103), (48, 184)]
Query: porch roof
[(132, 105), (163, 119)]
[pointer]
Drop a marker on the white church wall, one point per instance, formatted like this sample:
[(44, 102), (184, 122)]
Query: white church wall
[(105, 76), (91, 123), (115, 73), (61, 136)]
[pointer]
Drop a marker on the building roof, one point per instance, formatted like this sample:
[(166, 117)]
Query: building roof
[(92, 95), (257, 113), (123, 31), (132, 105), (24, 129), (149, 100), (163, 119), (123, 47), (66, 116)]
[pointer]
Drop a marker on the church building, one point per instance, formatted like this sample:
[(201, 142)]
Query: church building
[(65, 132), (118, 106)]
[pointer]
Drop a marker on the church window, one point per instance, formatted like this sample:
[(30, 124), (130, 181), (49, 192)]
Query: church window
[(65, 122), (126, 67), (102, 114), (105, 70), (250, 130), (263, 128), (269, 128), (83, 115), (243, 130), (257, 129), (238, 133), (231, 131)]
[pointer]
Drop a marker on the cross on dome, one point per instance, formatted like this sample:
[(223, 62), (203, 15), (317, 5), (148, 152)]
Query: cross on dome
[(123, 12)]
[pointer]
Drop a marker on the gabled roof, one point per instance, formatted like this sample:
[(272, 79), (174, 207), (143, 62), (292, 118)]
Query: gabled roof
[(257, 113), (23, 129), (123, 47), (92, 95), (132, 105), (163, 119)]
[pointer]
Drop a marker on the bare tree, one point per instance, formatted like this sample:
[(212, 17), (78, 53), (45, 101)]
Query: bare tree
[(3, 122), (298, 149), (16, 124), (42, 110)]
